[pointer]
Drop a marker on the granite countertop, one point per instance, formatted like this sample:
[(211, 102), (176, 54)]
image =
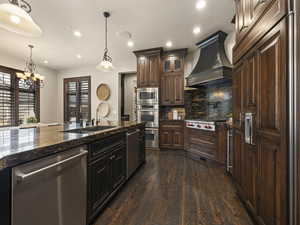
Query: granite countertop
[(22, 145)]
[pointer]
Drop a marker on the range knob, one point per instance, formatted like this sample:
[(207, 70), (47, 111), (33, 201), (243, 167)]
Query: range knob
[(199, 125)]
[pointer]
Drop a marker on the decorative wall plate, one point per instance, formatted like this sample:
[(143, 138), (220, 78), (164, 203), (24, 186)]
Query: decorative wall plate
[(103, 92), (103, 109)]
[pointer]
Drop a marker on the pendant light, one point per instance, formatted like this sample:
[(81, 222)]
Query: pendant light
[(14, 17), (106, 64), (30, 76)]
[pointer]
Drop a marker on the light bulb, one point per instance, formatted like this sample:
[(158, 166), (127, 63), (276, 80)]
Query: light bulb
[(15, 19), (27, 74)]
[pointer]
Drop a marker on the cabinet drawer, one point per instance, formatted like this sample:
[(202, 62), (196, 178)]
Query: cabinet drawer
[(97, 149)]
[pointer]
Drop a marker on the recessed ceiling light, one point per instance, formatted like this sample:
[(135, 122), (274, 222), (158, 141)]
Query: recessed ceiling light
[(46, 61), (200, 4), (78, 56), (169, 44), (77, 33), (196, 30), (130, 43)]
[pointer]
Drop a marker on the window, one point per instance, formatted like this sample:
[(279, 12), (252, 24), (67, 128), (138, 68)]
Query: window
[(16, 102), (77, 99)]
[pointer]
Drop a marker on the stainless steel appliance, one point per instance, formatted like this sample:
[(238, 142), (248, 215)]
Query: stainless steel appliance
[(148, 114), (133, 151), (147, 96), (201, 125), (229, 156), (152, 137), (51, 191)]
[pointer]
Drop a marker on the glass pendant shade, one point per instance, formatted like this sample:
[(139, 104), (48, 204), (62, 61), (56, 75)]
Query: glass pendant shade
[(17, 20), (105, 66)]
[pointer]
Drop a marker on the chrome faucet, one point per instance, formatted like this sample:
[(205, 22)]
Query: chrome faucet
[(97, 117)]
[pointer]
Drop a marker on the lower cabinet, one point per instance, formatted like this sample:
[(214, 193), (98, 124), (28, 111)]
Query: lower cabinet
[(172, 134), (107, 172)]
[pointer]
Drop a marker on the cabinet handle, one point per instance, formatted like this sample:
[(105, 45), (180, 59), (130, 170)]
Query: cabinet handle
[(100, 171)]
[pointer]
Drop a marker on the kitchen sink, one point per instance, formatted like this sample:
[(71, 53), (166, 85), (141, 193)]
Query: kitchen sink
[(89, 129)]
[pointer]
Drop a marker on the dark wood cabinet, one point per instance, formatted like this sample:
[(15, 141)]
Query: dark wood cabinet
[(260, 88), (118, 167), (172, 89), (173, 63), (107, 171), (100, 187), (148, 67), (253, 19), (172, 134), (172, 78)]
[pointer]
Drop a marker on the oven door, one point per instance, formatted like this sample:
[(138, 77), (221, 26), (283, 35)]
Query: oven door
[(151, 138), (147, 96), (151, 117)]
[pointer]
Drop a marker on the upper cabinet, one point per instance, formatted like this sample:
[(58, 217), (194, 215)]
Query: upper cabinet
[(173, 63), (172, 78), (148, 67), (253, 19)]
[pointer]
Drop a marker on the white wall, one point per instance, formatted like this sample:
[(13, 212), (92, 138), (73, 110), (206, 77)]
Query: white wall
[(112, 79), (49, 94)]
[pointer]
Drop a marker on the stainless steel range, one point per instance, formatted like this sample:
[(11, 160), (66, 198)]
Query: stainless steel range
[(201, 125)]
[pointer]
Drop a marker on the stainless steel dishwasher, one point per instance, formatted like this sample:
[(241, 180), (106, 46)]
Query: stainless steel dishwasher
[(51, 191), (133, 151)]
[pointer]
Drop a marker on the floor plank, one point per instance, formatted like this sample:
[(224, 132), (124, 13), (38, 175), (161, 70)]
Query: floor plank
[(174, 190)]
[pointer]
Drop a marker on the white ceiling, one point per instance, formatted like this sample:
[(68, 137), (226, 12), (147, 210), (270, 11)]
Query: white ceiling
[(151, 22)]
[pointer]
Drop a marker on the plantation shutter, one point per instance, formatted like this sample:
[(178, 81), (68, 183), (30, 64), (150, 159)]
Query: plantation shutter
[(6, 99), (77, 105)]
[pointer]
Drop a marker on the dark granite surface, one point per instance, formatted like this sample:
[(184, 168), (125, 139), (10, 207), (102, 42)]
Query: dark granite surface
[(18, 146)]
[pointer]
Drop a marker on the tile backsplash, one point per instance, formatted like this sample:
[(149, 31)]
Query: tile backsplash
[(209, 102)]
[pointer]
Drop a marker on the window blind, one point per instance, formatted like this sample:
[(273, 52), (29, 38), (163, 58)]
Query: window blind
[(77, 99), (16, 100), (6, 100)]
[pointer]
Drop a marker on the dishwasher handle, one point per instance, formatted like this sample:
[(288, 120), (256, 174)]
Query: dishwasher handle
[(133, 133), (23, 176)]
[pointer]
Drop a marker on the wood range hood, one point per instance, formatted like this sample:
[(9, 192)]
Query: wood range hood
[(213, 65)]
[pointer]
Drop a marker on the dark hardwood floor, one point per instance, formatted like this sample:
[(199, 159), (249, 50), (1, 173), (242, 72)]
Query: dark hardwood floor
[(174, 190)]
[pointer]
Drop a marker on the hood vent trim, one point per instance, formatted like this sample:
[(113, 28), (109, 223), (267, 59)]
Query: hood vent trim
[(213, 65)]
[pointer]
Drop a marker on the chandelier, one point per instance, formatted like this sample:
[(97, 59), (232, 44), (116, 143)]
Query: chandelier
[(30, 77), (106, 64), (14, 17)]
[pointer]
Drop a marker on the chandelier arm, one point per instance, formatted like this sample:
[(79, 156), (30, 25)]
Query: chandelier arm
[(106, 33), (26, 6)]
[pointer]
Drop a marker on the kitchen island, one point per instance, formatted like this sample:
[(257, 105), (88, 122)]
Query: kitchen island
[(105, 148)]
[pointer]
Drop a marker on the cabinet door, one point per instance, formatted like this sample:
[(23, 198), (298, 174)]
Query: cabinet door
[(178, 89), (237, 163), (100, 182), (118, 167), (238, 95), (142, 72), (249, 175), (154, 63), (166, 138), (166, 90), (167, 64), (272, 136), (178, 138)]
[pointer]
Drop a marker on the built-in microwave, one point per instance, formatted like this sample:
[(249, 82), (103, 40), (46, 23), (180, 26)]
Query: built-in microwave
[(147, 96)]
